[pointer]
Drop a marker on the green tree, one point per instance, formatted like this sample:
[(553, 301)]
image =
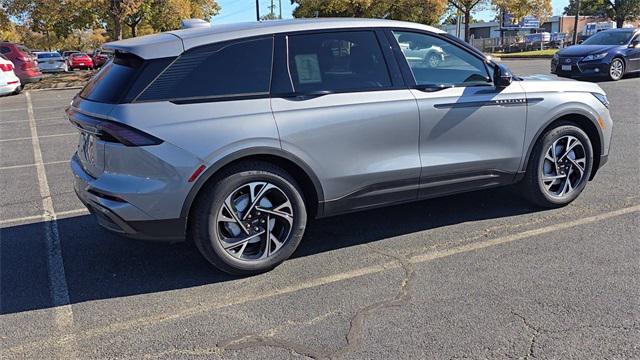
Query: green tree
[(587, 8), (422, 11), (623, 10), (467, 8), (541, 9)]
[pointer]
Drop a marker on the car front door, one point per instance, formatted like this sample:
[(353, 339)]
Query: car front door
[(345, 111), (633, 54), (471, 133)]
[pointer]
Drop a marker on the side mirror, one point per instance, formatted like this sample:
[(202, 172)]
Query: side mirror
[(634, 44), (502, 76)]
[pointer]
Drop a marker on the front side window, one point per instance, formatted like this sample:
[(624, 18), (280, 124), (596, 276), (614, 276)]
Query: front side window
[(337, 61), (436, 62), (238, 68)]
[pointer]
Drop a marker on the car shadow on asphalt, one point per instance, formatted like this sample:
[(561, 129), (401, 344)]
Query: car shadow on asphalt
[(102, 265)]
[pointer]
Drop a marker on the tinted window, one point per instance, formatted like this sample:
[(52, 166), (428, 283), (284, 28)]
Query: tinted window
[(228, 69), (118, 78), (4, 50), (48, 55), (435, 61), (337, 61), (609, 38)]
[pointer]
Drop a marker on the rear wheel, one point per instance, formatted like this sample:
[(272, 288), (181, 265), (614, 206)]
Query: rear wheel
[(616, 69), (559, 167), (249, 220)]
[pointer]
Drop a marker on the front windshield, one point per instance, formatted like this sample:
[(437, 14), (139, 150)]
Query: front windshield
[(609, 38)]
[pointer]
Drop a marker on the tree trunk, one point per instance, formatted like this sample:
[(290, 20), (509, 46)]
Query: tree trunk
[(619, 21), (117, 27), (467, 19), (133, 28)]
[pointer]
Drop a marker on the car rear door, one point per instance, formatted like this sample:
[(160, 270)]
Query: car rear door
[(471, 133), (343, 108)]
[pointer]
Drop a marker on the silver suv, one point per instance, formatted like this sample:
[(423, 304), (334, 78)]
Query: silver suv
[(236, 135)]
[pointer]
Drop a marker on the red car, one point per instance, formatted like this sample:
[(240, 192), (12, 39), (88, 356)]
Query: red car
[(80, 61), (100, 57), (25, 63)]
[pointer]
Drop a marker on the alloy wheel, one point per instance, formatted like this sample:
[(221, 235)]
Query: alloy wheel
[(255, 221), (616, 69), (563, 168)]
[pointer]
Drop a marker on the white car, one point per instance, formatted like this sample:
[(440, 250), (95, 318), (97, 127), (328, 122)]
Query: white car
[(9, 82)]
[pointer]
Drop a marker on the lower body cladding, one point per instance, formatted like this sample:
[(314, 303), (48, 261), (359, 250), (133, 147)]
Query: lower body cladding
[(137, 194)]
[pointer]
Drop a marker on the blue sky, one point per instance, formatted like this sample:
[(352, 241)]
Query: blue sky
[(245, 10)]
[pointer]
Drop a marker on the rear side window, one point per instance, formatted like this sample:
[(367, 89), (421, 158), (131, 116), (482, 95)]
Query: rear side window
[(4, 49), (121, 79), (231, 69), (337, 61)]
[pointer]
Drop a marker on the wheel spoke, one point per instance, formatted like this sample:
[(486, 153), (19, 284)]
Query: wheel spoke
[(231, 210), (577, 165), (255, 198), (282, 214), (231, 243)]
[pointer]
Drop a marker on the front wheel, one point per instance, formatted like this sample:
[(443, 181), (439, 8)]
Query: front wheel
[(559, 167), (249, 219), (616, 69)]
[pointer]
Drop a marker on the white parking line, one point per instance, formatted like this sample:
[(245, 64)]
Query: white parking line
[(41, 137), (30, 165), (59, 215), (58, 282)]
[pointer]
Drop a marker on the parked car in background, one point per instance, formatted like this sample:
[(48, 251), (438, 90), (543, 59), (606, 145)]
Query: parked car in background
[(9, 82), (100, 57), (66, 54), (24, 62), (416, 52), (51, 62), (79, 61), (612, 53), (185, 134)]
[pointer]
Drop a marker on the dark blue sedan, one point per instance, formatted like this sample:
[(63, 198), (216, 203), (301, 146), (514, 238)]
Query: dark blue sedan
[(611, 53)]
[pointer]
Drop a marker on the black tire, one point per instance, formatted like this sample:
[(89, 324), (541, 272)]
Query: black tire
[(532, 187), (203, 228), (18, 90)]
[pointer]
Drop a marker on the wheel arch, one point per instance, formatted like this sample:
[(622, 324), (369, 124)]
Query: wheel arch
[(581, 121), (306, 178)]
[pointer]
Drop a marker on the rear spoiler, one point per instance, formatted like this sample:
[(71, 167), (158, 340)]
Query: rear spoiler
[(153, 46)]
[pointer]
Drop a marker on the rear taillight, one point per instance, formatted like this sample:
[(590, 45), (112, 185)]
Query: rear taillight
[(110, 131), (115, 132), (24, 66), (6, 67)]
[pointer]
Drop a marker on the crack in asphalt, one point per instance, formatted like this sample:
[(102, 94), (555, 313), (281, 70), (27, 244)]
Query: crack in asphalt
[(356, 325), (534, 337)]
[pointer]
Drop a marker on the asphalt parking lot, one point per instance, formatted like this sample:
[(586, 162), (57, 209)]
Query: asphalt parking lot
[(479, 275)]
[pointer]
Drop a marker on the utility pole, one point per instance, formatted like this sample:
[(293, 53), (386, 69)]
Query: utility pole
[(280, 8), (258, 10), (575, 23)]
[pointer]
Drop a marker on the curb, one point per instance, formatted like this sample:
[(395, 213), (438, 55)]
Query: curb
[(523, 57), (58, 88)]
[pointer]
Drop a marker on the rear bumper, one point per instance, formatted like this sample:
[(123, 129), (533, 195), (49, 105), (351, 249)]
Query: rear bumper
[(121, 217), (31, 79), (8, 89)]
